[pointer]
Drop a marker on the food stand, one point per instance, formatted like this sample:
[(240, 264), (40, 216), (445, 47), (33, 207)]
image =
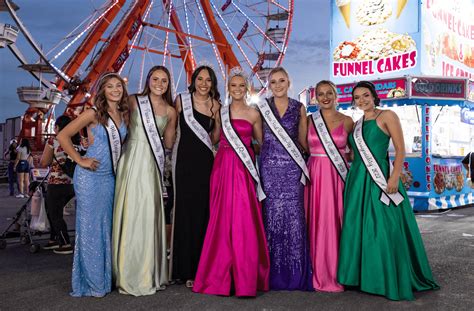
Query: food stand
[(420, 56)]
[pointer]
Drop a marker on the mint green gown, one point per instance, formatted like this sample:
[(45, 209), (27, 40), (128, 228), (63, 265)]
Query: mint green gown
[(381, 250), (140, 266)]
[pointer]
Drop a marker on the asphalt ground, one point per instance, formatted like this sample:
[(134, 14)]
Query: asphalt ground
[(41, 281)]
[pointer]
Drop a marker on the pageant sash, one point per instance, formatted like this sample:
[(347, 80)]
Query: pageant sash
[(240, 149), (329, 146), (152, 134), (373, 167), (194, 125), (115, 142), (282, 136)]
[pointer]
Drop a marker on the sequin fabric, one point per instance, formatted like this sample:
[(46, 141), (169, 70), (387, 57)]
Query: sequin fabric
[(283, 209), (92, 266)]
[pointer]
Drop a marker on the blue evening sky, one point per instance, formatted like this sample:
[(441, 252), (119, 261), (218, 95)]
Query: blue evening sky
[(307, 57)]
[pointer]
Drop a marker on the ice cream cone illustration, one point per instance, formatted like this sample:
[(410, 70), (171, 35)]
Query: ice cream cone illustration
[(345, 9), (400, 6)]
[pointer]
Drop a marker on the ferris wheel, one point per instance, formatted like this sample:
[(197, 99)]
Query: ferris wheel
[(130, 37)]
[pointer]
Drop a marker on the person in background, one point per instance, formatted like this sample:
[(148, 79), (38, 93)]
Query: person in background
[(60, 189), (468, 163), (22, 167), (10, 155), (94, 184)]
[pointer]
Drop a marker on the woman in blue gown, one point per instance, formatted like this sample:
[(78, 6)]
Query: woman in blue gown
[(94, 184)]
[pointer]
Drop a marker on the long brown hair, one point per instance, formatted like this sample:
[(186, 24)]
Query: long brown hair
[(100, 102), (146, 89)]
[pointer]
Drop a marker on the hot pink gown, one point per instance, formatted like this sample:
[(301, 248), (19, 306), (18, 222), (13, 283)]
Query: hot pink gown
[(324, 210), (235, 247)]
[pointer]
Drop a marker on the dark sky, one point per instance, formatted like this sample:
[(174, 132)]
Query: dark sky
[(307, 57)]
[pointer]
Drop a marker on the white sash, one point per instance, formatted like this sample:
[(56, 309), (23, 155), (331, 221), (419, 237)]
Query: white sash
[(152, 133), (373, 167), (285, 139), (329, 146), (240, 149), (194, 125), (115, 142)]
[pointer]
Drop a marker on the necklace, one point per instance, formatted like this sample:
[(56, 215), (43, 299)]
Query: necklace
[(201, 101)]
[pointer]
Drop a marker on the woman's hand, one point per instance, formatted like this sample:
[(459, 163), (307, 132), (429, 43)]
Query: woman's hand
[(392, 185), (89, 163)]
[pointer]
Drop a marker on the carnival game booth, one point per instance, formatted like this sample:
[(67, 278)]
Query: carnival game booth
[(437, 116)]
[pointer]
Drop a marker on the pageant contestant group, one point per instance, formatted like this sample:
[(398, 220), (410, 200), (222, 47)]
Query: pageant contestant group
[(300, 219)]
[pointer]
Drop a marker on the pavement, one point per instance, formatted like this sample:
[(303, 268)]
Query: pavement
[(42, 281)]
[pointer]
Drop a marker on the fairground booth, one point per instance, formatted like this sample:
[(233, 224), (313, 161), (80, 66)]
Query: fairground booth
[(420, 56)]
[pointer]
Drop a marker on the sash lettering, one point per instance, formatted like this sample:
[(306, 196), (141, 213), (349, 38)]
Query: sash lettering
[(153, 135), (115, 142), (240, 149), (194, 125), (373, 167), (329, 146), (282, 136)]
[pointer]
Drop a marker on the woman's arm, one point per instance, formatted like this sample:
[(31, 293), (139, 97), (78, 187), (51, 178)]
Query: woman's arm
[(47, 156), (303, 129), (169, 136), (257, 125), (64, 137), (394, 128), (216, 131)]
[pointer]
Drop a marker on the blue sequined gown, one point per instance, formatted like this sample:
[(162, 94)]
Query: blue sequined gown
[(283, 209), (92, 267)]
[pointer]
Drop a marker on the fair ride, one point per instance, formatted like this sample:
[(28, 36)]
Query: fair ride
[(130, 37)]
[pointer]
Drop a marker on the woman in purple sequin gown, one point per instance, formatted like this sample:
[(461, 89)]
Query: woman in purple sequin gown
[(283, 209)]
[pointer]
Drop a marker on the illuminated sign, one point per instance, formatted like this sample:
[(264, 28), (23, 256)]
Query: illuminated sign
[(372, 39), (448, 38), (438, 88), (386, 89)]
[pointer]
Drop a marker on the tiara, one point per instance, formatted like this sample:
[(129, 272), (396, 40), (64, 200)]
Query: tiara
[(205, 63), (238, 71)]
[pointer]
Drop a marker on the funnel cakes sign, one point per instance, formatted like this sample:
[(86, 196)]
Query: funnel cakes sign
[(373, 38)]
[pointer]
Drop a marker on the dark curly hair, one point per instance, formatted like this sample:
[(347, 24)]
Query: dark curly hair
[(371, 87)]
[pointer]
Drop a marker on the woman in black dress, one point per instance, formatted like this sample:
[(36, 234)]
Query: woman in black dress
[(192, 169)]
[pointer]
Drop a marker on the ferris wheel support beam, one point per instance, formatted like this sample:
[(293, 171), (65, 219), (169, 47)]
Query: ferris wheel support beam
[(32, 42), (186, 53), (143, 48), (113, 55), (225, 49), (93, 37)]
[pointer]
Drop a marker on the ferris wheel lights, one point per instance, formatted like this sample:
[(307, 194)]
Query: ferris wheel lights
[(254, 98)]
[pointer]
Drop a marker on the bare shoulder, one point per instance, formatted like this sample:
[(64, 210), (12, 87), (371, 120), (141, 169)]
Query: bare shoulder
[(177, 103), (132, 102), (170, 111), (389, 116), (254, 114)]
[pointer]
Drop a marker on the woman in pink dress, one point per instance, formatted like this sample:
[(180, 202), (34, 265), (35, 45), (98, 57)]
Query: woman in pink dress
[(235, 248), (323, 197)]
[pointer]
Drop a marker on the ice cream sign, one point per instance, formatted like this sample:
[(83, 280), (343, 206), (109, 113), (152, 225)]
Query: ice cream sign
[(373, 38)]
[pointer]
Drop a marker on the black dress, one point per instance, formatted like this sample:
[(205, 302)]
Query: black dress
[(193, 170)]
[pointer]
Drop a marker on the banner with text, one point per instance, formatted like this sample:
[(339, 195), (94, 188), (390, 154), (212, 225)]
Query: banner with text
[(386, 89), (373, 39)]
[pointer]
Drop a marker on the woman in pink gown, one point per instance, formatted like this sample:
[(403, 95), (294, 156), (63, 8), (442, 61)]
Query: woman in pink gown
[(323, 197), (235, 248)]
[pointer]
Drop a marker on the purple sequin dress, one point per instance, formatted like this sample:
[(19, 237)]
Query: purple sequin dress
[(283, 209)]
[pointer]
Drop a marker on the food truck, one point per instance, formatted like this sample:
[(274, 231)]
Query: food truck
[(420, 56)]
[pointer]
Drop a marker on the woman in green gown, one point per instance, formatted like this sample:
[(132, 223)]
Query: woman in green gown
[(140, 265), (381, 250)]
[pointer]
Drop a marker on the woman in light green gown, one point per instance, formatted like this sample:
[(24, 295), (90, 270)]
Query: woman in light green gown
[(140, 265)]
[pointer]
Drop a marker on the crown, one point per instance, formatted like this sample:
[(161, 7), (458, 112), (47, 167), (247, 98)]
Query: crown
[(205, 63), (238, 71)]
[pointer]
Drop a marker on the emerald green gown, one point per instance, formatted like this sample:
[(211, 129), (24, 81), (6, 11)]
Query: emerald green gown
[(381, 250), (139, 262)]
